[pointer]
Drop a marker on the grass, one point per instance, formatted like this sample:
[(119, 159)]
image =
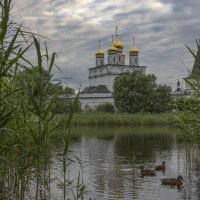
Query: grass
[(119, 119)]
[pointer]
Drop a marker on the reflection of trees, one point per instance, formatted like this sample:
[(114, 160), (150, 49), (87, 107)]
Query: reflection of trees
[(108, 151), (192, 171), (106, 133), (105, 167), (144, 142)]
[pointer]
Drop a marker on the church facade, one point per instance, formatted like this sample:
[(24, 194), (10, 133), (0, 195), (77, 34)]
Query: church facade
[(108, 67), (103, 75)]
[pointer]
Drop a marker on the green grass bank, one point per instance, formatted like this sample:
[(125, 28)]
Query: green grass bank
[(119, 119)]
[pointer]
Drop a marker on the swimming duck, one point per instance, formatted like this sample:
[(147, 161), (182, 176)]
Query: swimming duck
[(160, 167), (172, 181), (146, 172)]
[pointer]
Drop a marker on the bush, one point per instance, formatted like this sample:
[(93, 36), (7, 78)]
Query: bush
[(184, 104), (65, 106), (105, 107)]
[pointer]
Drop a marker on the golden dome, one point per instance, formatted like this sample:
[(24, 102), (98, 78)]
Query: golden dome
[(99, 52), (134, 50), (112, 48), (118, 43)]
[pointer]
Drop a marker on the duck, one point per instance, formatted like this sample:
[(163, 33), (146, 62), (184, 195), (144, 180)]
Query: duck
[(146, 172), (172, 181), (160, 167)]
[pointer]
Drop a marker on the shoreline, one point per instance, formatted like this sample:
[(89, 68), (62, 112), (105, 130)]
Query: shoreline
[(108, 119)]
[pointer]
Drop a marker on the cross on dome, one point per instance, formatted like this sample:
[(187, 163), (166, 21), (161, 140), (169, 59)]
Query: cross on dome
[(116, 30), (133, 41)]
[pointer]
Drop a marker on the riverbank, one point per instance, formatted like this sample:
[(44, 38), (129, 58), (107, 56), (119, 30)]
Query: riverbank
[(119, 119)]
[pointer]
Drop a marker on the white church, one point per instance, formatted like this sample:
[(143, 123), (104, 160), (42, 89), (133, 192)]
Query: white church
[(103, 75)]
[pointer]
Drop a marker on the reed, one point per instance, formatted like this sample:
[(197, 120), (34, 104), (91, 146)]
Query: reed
[(25, 114)]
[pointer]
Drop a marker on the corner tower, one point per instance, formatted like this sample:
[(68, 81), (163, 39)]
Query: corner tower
[(99, 56), (134, 55)]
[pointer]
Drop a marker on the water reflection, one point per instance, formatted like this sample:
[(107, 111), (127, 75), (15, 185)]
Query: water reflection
[(110, 173)]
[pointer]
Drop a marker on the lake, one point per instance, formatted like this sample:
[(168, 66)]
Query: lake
[(107, 169)]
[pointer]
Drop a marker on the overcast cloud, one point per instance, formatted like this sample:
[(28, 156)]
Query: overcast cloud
[(161, 28)]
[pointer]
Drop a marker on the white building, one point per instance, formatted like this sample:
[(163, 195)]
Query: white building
[(102, 76)]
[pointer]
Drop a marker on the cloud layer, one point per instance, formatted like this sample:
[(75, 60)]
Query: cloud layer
[(161, 28)]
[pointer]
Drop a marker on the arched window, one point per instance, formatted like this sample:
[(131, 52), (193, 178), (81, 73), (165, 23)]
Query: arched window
[(119, 58), (114, 59)]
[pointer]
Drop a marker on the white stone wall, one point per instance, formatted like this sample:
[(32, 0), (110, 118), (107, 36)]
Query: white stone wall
[(106, 75), (99, 61), (134, 60), (92, 100), (107, 80), (112, 57)]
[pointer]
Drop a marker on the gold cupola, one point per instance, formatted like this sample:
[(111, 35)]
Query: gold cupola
[(117, 42), (99, 52), (133, 50), (112, 47)]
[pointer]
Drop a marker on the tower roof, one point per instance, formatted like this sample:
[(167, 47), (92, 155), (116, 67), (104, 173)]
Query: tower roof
[(99, 51), (117, 42), (112, 48), (133, 50)]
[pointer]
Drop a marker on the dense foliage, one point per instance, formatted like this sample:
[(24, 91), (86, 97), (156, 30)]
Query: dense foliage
[(65, 106), (137, 92), (105, 108), (24, 79), (185, 104), (26, 118)]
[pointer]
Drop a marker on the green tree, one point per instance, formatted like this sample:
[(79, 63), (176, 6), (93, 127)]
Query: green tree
[(137, 92), (162, 99), (65, 106), (106, 108), (55, 88), (24, 78), (69, 90)]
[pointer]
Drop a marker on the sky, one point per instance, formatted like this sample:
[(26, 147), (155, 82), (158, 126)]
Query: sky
[(73, 27)]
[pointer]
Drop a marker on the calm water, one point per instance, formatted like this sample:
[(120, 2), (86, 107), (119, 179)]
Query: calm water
[(107, 160)]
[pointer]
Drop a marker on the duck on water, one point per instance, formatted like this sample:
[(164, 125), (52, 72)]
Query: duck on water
[(172, 181), (146, 172)]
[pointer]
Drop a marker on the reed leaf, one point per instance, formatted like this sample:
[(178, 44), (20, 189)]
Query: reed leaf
[(68, 125), (33, 134), (38, 51), (5, 9), (11, 46), (191, 51), (52, 62)]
